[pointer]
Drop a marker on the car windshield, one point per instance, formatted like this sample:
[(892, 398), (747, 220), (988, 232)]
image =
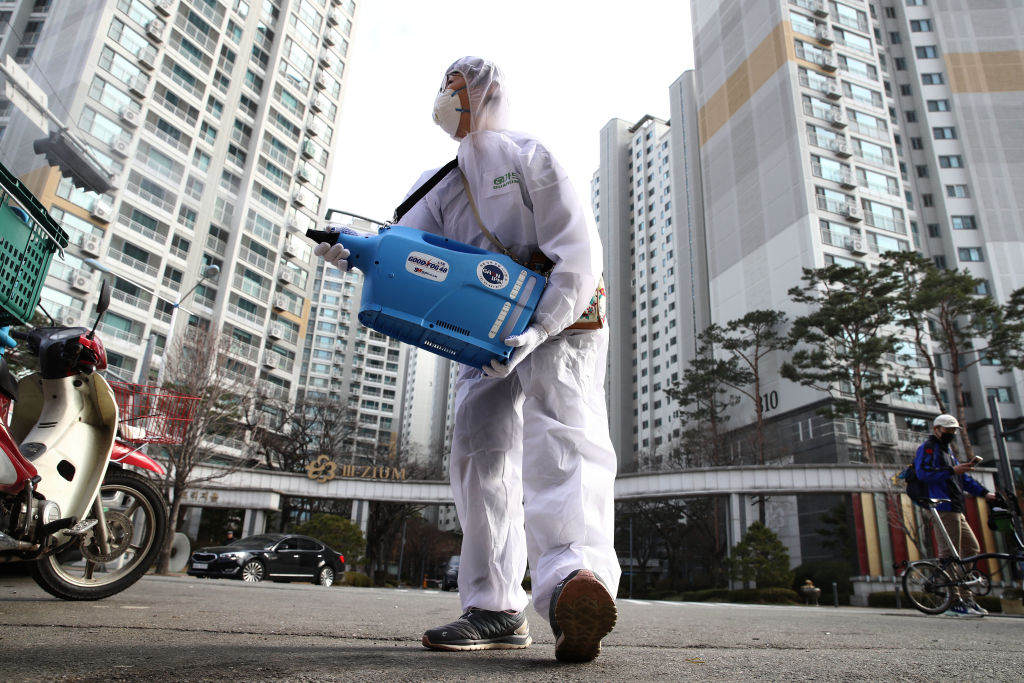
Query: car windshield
[(262, 541)]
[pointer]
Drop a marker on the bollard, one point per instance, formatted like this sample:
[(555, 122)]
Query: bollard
[(424, 580), (835, 594)]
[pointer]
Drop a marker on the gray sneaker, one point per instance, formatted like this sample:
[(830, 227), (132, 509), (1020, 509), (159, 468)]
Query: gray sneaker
[(960, 609), (480, 629), (972, 606), (581, 614)]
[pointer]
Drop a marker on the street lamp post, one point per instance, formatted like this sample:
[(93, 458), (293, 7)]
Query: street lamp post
[(209, 272)]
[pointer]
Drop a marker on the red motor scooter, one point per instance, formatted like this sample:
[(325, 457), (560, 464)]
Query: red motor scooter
[(90, 527)]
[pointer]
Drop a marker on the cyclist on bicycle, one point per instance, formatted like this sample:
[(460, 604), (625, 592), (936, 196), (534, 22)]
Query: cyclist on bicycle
[(937, 465)]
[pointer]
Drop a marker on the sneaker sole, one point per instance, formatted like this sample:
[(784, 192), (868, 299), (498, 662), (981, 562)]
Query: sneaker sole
[(505, 643), (585, 613)]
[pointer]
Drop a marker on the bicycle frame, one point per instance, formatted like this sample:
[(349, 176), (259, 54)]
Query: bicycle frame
[(966, 564)]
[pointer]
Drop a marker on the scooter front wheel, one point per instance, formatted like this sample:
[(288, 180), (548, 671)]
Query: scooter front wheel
[(136, 521)]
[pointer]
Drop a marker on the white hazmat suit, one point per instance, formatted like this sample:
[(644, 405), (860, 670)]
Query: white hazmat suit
[(532, 464)]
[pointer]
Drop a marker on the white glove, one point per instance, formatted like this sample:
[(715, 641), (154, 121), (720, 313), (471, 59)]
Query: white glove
[(335, 254), (524, 344)]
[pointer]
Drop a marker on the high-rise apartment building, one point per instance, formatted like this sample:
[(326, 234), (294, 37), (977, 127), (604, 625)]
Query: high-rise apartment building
[(812, 132), (217, 119)]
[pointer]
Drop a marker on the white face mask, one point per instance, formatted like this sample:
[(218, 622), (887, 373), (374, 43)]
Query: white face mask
[(448, 111)]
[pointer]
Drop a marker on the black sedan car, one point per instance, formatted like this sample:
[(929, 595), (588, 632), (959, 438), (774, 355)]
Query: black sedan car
[(279, 557)]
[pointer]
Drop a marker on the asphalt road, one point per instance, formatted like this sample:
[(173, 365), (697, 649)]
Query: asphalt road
[(184, 629)]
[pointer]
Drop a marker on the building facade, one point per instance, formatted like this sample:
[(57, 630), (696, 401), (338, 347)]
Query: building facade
[(217, 119), (811, 132)]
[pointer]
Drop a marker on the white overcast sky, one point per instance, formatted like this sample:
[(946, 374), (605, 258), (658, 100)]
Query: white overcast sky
[(571, 66)]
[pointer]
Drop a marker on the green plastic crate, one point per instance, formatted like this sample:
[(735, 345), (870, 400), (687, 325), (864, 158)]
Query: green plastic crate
[(29, 237)]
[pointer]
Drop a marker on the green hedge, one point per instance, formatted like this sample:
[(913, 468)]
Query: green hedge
[(358, 579)]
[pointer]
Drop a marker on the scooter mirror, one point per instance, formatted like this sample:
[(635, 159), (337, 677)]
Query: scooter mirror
[(102, 304), (104, 301)]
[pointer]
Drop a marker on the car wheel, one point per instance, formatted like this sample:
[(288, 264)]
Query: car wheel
[(325, 577), (253, 571)]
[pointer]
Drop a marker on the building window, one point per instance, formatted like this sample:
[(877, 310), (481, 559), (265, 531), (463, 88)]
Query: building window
[(932, 79), (951, 161), (926, 52), (906, 90), (944, 133), (921, 171), (970, 254), (940, 262), (1002, 394), (916, 143), (933, 230), (920, 25), (927, 199), (938, 105), (957, 191), (894, 37), (900, 63), (964, 222)]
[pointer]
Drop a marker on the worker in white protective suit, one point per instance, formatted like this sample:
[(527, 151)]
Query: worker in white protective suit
[(532, 464)]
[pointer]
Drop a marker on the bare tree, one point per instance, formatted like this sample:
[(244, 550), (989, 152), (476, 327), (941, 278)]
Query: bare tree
[(199, 367), (288, 436)]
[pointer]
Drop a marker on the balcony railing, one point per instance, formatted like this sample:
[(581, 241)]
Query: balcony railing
[(133, 263)]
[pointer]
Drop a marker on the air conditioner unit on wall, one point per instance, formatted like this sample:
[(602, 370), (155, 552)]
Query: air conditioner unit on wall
[(155, 29), (280, 302), (856, 246), (824, 34), (80, 281), (275, 331), (130, 117), (853, 212), (846, 179), (270, 361), (829, 62), (285, 276), (163, 6), (837, 118), (147, 57), (842, 148), (139, 84), (69, 319), (833, 91), (102, 210), (91, 245), (820, 8), (120, 147)]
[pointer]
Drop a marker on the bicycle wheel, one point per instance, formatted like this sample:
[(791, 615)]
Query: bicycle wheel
[(928, 587)]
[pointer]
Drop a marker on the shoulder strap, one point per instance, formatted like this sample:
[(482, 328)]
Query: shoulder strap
[(423, 189), (494, 240)]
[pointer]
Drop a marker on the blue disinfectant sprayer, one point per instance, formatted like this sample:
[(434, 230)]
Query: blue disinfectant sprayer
[(450, 298)]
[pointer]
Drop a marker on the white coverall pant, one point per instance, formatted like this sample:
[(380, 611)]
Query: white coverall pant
[(533, 473)]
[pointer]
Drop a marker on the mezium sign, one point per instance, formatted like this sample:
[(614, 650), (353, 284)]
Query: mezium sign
[(323, 470)]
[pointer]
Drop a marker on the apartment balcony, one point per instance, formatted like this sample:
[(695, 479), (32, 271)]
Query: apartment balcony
[(133, 263)]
